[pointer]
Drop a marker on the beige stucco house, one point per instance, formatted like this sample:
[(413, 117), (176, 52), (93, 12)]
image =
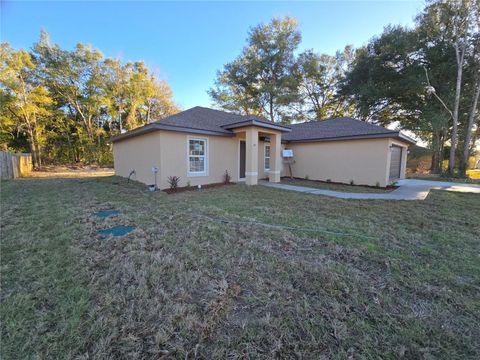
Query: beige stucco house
[(199, 145)]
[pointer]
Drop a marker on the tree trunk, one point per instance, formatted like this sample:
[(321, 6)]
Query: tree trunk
[(437, 153), (130, 120), (436, 156), (458, 89), (468, 132), (272, 119)]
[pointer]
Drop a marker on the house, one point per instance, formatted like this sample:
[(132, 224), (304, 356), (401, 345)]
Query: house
[(199, 145)]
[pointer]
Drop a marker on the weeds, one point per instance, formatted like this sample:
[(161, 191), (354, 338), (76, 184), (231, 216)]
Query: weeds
[(182, 286)]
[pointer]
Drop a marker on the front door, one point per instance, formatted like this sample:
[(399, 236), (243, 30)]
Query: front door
[(243, 153)]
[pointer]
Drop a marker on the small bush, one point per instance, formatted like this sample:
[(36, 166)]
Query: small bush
[(189, 183), (377, 184), (352, 182), (173, 181), (306, 177), (329, 180), (227, 178), (393, 183)]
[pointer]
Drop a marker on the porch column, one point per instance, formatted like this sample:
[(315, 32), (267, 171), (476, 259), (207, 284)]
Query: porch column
[(251, 161), (275, 158)]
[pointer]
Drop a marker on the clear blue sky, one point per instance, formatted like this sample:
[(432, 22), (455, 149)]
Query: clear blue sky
[(187, 42)]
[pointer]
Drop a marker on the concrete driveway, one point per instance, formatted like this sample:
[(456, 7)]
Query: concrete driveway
[(409, 189)]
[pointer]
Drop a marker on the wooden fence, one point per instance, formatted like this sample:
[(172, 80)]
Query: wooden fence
[(14, 165)]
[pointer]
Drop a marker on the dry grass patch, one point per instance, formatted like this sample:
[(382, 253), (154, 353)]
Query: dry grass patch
[(377, 280)]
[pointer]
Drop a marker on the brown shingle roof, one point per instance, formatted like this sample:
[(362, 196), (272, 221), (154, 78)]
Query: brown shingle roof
[(203, 120), (338, 129)]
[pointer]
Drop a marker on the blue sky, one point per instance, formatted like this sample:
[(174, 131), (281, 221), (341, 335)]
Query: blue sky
[(186, 43)]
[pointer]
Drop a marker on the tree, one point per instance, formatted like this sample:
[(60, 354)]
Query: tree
[(22, 97), (65, 105), (263, 79), (387, 82), (320, 80), (455, 22)]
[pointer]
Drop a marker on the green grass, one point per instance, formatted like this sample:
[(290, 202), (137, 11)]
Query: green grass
[(334, 186), (376, 279)]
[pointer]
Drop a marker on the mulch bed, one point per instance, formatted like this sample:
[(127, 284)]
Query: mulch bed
[(388, 187), (192, 188)]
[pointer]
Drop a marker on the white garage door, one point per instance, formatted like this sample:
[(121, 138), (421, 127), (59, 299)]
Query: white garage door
[(395, 162)]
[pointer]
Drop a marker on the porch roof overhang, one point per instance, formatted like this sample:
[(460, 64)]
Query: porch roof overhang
[(260, 124)]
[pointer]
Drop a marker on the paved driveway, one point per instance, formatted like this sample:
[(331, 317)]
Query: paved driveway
[(409, 189)]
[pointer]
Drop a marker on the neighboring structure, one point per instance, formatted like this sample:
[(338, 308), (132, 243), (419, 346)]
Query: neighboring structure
[(200, 144), (15, 165)]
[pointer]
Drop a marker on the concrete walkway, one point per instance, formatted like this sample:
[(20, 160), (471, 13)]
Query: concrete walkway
[(409, 189)]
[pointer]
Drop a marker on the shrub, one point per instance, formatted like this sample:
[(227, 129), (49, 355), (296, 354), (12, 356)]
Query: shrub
[(189, 183), (352, 182), (393, 183), (173, 181), (329, 180), (306, 177), (227, 177), (377, 184)]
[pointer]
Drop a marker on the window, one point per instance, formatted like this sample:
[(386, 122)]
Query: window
[(197, 157), (267, 157)]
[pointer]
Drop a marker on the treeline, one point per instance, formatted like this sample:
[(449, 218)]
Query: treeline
[(63, 106), (425, 79)]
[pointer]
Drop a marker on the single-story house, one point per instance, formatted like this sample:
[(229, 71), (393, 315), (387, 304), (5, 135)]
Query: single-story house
[(200, 144)]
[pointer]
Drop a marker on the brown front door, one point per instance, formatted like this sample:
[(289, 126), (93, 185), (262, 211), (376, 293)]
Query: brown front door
[(243, 152)]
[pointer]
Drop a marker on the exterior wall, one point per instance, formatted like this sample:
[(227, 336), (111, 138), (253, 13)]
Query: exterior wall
[(168, 151), (139, 153), (223, 154), (366, 162)]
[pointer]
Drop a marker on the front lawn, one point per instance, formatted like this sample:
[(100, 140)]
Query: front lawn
[(235, 272)]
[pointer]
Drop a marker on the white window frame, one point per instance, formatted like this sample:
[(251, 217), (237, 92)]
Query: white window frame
[(265, 157), (197, 173)]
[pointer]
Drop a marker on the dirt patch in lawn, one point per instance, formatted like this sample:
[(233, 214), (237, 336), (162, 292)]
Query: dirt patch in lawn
[(71, 171)]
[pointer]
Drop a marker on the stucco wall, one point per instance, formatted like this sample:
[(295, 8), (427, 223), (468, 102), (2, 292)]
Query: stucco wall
[(139, 153), (366, 162), (223, 153), (363, 161)]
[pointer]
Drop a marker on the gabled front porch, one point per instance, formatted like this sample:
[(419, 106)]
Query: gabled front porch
[(251, 164)]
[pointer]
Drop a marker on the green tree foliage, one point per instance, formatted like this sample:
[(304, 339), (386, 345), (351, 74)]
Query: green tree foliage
[(320, 78), (25, 103), (67, 104), (263, 79), (415, 77), (269, 79)]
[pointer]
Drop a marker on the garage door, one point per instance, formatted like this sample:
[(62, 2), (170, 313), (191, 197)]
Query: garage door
[(395, 162)]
